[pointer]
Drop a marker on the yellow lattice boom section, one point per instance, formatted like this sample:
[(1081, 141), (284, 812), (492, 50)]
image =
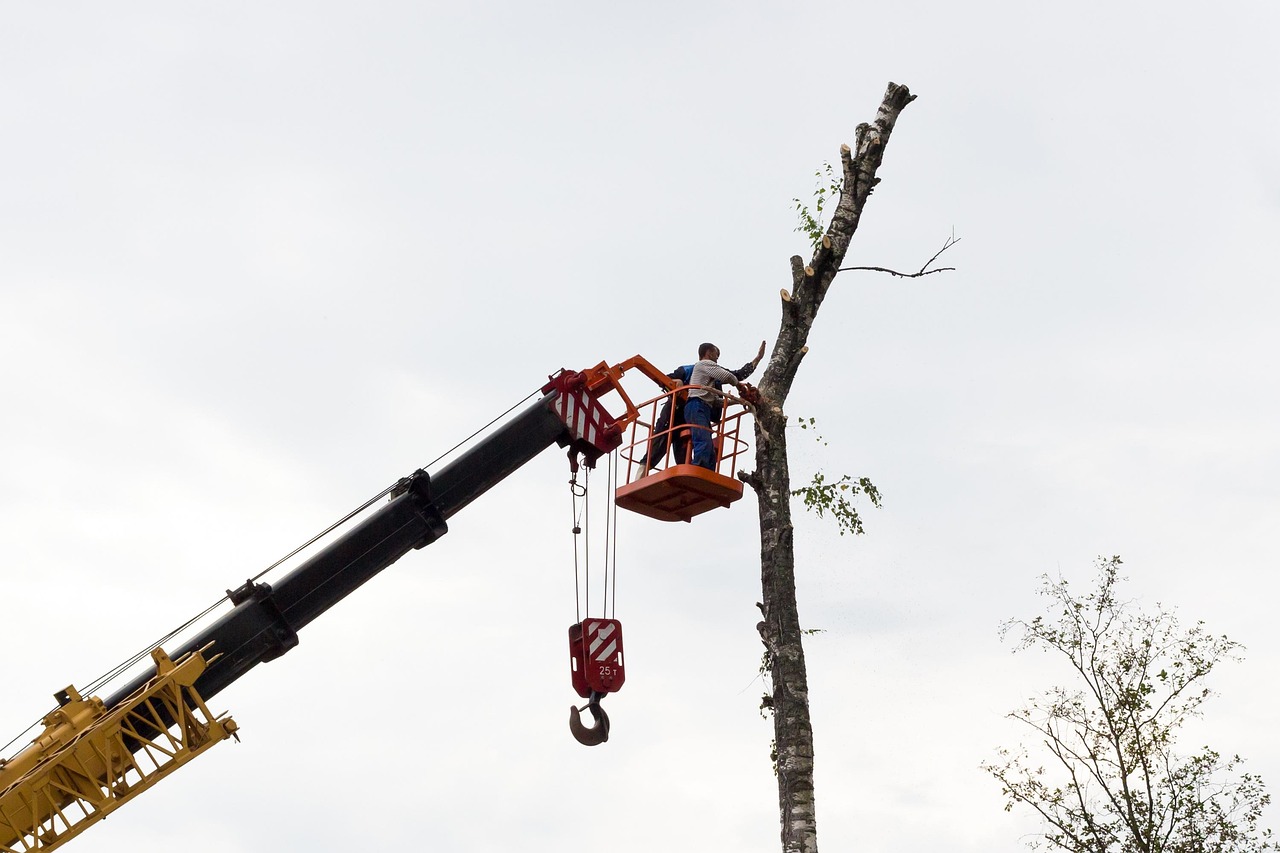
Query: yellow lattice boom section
[(89, 760)]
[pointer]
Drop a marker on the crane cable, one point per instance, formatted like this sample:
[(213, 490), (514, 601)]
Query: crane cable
[(582, 524), (577, 492), (613, 609), (119, 669), (611, 541)]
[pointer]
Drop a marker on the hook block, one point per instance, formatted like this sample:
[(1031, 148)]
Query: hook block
[(595, 655)]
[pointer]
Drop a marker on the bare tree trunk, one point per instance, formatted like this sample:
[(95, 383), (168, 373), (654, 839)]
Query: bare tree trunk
[(780, 627)]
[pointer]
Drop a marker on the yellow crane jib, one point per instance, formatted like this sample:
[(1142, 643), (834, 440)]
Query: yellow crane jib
[(89, 760)]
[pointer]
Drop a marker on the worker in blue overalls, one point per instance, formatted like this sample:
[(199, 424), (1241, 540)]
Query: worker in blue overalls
[(684, 375)]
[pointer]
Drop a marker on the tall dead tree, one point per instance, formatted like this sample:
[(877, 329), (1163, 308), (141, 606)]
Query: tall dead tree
[(780, 628)]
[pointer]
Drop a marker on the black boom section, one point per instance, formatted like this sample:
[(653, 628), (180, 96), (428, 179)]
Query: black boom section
[(266, 618), (485, 465)]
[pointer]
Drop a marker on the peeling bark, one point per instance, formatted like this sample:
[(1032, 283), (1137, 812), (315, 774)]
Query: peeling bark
[(780, 628)]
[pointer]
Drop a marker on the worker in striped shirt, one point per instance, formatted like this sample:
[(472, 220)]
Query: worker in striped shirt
[(679, 437), (706, 378)]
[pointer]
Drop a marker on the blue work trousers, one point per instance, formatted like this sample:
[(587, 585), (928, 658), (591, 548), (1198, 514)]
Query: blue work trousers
[(697, 414)]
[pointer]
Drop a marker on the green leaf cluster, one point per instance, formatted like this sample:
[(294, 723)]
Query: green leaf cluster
[(813, 222), (836, 498), (812, 424)]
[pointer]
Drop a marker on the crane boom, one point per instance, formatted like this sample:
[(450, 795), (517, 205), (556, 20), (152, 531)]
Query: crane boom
[(266, 618), (94, 755)]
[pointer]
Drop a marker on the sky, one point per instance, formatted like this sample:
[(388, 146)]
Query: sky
[(258, 261)]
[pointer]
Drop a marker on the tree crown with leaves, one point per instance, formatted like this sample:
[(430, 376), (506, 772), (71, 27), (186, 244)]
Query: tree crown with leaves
[(1113, 781)]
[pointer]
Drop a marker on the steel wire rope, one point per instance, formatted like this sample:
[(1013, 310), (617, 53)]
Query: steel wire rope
[(610, 473), (521, 402), (4, 751), (615, 537), (388, 490), (586, 551), (116, 671), (113, 673), (575, 492)]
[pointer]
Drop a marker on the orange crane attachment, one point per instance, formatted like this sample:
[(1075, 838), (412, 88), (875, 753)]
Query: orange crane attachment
[(660, 481)]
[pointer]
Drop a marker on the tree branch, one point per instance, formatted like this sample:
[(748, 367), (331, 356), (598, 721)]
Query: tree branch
[(924, 270), (898, 274)]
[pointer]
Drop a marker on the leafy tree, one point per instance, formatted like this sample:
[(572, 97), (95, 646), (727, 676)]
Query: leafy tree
[(1112, 781)]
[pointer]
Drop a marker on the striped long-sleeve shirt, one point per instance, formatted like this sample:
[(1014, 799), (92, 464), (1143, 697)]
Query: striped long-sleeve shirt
[(705, 373)]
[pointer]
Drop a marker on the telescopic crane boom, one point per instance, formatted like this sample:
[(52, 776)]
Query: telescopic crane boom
[(94, 755)]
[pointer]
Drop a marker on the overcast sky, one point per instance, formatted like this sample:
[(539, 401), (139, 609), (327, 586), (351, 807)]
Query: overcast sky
[(257, 261)]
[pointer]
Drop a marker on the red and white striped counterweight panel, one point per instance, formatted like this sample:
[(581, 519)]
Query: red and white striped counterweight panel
[(595, 652), (593, 431)]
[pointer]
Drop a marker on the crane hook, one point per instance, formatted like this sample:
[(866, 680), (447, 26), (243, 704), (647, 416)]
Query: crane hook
[(590, 735)]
